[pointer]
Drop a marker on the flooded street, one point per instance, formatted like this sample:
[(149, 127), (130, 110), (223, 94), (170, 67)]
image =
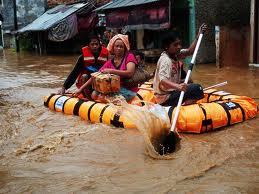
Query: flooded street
[(48, 152)]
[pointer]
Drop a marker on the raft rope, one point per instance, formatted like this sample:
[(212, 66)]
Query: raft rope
[(77, 106), (227, 109), (47, 101), (63, 108), (89, 111), (242, 110), (141, 98), (209, 94), (115, 121), (102, 112), (206, 122)]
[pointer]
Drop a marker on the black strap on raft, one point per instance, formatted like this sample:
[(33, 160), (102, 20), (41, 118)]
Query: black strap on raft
[(221, 97), (209, 94), (140, 97), (206, 122), (102, 112), (89, 111), (47, 101), (242, 110), (115, 121), (56, 101), (227, 108), (63, 108), (77, 106)]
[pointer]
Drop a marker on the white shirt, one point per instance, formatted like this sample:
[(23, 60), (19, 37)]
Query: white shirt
[(167, 69)]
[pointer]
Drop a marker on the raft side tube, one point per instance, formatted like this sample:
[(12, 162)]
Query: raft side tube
[(196, 118), (204, 117)]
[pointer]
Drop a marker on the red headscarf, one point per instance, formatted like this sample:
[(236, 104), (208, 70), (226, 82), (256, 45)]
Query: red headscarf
[(122, 37)]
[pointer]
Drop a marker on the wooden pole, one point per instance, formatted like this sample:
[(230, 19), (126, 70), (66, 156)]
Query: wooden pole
[(217, 43), (252, 16), (257, 30), (15, 26), (39, 42), (2, 34)]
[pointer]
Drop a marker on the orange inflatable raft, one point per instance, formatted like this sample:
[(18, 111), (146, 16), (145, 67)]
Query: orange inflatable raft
[(217, 109)]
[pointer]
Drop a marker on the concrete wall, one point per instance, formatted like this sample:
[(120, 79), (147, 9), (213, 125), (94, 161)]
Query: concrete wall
[(27, 11), (234, 46), (222, 13), (8, 14)]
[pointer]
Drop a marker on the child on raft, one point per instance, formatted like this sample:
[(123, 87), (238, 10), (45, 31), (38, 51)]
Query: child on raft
[(169, 76)]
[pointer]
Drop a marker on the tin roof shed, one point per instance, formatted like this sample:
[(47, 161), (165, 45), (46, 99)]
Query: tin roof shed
[(123, 4), (53, 16)]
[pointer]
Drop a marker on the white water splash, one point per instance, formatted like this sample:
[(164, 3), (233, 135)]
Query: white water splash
[(152, 121)]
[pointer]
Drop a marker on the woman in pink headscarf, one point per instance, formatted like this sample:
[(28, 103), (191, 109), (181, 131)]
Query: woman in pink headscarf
[(122, 64)]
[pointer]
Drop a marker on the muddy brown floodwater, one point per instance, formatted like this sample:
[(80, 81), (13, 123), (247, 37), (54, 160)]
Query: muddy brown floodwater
[(47, 152)]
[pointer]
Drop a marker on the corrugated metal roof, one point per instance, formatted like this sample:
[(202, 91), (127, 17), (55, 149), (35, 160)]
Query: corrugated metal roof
[(123, 3), (52, 17)]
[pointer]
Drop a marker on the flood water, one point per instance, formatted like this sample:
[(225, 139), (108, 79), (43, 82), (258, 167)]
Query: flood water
[(47, 152)]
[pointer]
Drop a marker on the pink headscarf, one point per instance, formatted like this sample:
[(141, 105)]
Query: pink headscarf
[(122, 37)]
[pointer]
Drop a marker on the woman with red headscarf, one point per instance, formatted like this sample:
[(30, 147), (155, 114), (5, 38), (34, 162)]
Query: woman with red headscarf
[(122, 64)]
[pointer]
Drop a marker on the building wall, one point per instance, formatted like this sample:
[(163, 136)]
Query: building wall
[(8, 14), (257, 32), (1, 15), (234, 46), (27, 11), (222, 13)]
